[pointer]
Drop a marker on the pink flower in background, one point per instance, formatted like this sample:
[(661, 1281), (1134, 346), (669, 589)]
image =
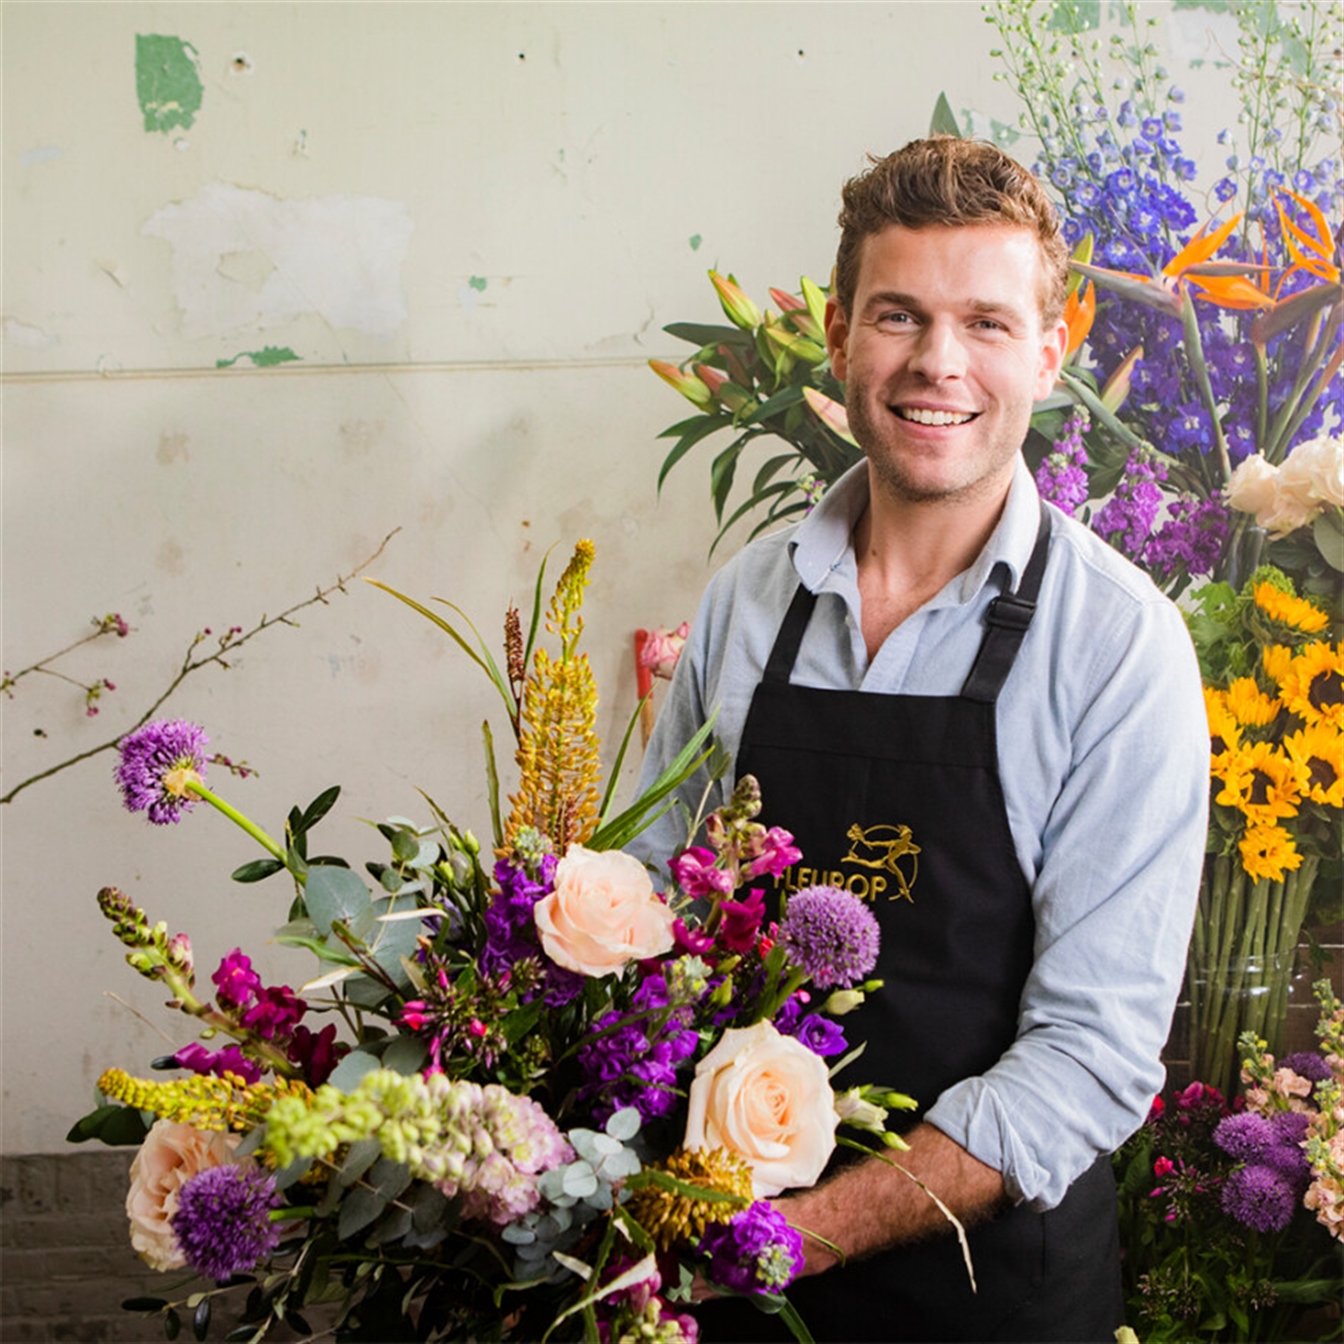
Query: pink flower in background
[(696, 872), (662, 649)]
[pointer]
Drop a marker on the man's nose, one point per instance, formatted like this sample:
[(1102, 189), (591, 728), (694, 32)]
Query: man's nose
[(939, 353)]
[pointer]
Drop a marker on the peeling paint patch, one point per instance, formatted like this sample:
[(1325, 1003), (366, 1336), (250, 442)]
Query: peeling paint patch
[(21, 333), (337, 256), (265, 358), (171, 447), (167, 81), (30, 158), (695, 240), (478, 282)]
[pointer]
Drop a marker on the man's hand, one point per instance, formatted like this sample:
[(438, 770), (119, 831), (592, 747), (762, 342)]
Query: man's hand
[(870, 1206)]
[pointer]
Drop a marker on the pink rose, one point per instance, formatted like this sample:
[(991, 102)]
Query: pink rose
[(602, 913), (169, 1157), (662, 649), (766, 1097)]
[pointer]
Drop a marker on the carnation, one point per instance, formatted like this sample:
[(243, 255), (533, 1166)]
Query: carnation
[(223, 1221), (831, 935)]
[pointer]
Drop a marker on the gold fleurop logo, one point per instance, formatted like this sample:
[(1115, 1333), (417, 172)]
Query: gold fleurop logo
[(889, 851)]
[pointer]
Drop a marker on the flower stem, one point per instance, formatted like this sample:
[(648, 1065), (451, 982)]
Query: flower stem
[(237, 817)]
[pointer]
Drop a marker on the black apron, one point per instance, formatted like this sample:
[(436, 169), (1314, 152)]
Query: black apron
[(897, 798)]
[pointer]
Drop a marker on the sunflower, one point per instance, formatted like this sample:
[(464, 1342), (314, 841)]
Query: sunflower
[(1249, 705), (1319, 750), (1276, 660), (1295, 612), (1313, 684), (1268, 852), (1263, 782), (1224, 731)]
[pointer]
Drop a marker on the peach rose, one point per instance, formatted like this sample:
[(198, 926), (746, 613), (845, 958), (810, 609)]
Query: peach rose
[(602, 913), (767, 1098), (663, 648), (169, 1157)]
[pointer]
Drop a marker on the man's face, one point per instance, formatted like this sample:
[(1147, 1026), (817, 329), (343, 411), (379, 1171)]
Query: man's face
[(943, 356)]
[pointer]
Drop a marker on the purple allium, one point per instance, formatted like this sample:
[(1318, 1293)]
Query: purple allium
[(223, 1222), (755, 1252), (1307, 1064), (831, 935), (1259, 1197), (236, 983), (1246, 1137), (157, 761)]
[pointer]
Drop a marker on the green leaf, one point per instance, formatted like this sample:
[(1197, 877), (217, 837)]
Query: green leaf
[(1329, 539), (390, 1178), (116, 1126), (944, 120), (358, 1209), (722, 473), (318, 808), (707, 425), (781, 401), (405, 1055), (346, 1075), (362, 1155), (699, 333), (332, 894), (405, 845), (256, 870)]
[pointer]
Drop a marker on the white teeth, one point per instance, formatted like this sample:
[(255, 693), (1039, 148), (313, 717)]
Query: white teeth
[(923, 417)]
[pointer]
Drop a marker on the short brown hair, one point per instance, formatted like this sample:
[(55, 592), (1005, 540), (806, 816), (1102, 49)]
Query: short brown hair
[(947, 180)]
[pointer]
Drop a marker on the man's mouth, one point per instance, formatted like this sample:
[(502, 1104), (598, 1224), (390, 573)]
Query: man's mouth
[(920, 416)]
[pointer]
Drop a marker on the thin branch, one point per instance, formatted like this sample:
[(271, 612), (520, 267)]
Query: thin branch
[(227, 644)]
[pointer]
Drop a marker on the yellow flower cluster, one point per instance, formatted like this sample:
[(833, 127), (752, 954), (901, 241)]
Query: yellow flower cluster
[(671, 1214), (558, 747), (1272, 749), (201, 1101)]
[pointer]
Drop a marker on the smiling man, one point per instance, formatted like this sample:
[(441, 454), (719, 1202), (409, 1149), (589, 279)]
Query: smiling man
[(936, 654)]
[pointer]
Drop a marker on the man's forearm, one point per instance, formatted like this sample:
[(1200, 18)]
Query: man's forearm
[(870, 1205)]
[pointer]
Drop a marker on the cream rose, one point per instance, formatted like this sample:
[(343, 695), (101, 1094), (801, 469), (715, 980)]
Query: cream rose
[(169, 1157), (1314, 471), (1254, 486), (767, 1098), (602, 913)]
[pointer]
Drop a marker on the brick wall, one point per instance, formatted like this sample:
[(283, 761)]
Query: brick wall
[(66, 1262)]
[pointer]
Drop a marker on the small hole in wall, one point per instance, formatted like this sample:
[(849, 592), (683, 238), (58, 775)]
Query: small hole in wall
[(522, 55), (240, 63)]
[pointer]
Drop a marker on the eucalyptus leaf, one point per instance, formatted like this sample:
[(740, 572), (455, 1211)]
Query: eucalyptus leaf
[(362, 1155), (346, 1075), (1329, 539), (358, 1209), (389, 1178), (405, 1055), (332, 894), (293, 1173)]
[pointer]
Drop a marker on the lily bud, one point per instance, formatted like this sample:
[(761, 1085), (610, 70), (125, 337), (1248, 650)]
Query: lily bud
[(725, 392), (723, 995), (687, 384), (843, 1001), (799, 315), (855, 1109), (740, 310), (831, 414), (816, 302), (800, 347)]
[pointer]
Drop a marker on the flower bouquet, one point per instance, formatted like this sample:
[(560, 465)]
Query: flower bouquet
[(1216, 1201), (546, 1095), (1274, 693)]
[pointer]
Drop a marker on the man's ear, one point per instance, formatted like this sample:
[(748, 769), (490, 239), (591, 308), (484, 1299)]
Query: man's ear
[(837, 334), (1054, 345)]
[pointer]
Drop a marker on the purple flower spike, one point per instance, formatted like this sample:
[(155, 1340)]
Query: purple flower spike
[(756, 1252), (157, 760), (223, 1221), (831, 935)]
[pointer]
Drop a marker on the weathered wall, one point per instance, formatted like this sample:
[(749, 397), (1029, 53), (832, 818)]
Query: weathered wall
[(459, 228)]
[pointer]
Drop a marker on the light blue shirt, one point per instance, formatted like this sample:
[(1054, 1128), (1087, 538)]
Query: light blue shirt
[(1103, 756)]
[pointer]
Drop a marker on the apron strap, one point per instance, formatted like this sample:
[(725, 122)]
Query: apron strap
[(1008, 617)]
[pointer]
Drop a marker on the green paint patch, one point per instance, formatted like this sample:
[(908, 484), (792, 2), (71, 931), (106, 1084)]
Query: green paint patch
[(266, 358), (1075, 16), (695, 240), (167, 81), (478, 282)]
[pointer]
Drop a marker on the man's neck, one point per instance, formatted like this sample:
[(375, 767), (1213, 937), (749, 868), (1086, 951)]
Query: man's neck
[(907, 551)]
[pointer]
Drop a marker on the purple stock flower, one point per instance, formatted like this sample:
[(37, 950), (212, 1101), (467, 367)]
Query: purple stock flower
[(696, 872), (236, 983), (1259, 1197), (275, 1013), (636, 1064), (511, 929), (755, 1252), (778, 853), (741, 921), (316, 1052), (157, 761), (831, 935), (218, 1062), (1127, 518), (223, 1222), (1061, 477)]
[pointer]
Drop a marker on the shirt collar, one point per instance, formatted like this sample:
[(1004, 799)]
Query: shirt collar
[(823, 544)]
